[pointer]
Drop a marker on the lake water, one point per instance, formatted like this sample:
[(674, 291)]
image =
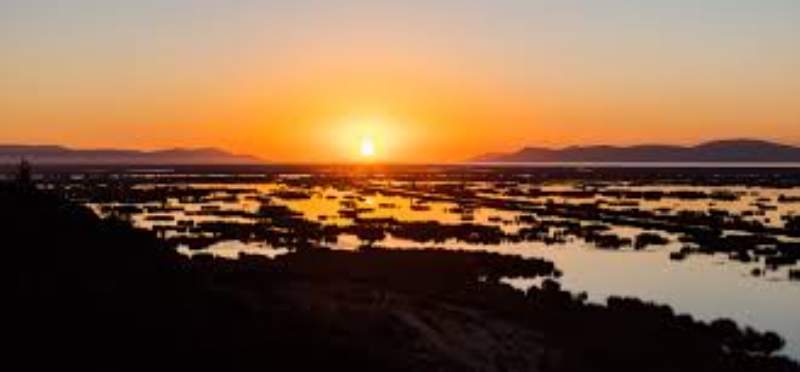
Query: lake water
[(707, 286), (709, 165)]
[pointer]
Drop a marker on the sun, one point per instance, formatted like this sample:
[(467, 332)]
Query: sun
[(364, 139), (367, 147)]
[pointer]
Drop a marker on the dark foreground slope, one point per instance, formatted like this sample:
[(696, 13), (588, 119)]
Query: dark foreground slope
[(99, 295)]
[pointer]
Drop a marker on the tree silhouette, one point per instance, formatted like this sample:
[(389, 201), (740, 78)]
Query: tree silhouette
[(25, 174)]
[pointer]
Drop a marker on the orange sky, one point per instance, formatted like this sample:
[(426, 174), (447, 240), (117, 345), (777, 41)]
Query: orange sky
[(426, 83)]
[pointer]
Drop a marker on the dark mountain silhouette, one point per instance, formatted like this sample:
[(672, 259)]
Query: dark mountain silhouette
[(744, 150), (63, 155)]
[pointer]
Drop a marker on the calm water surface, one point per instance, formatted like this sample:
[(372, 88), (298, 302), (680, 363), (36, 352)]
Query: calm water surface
[(705, 286)]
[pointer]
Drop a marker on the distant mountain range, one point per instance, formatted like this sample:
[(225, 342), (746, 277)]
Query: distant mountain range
[(64, 155), (744, 150)]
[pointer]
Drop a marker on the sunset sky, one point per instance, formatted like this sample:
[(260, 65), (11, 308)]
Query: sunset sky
[(415, 81)]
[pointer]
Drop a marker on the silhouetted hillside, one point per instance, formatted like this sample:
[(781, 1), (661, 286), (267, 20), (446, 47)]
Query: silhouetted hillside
[(717, 151), (64, 155)]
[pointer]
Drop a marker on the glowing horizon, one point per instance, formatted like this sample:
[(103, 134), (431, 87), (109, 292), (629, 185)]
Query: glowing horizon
[(300, 81)]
